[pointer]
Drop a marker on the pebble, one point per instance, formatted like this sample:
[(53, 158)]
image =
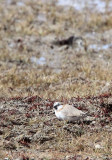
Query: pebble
[(98, 146)]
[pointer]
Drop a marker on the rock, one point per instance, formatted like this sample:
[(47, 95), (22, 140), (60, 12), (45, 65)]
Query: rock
[(88, 118), (98, 146)]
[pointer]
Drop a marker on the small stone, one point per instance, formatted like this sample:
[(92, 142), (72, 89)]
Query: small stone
[(93, 122), (90, 118), (98, 146)]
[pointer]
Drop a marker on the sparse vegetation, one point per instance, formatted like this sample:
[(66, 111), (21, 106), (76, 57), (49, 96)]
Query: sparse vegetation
[(28, 88)]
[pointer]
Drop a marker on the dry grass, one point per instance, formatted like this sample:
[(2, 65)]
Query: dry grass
[(67, 73), (87, 79)]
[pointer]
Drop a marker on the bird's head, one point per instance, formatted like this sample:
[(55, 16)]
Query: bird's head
[(56, 105)]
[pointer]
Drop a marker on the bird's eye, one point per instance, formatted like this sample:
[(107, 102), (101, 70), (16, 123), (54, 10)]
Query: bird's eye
[(55, 107)]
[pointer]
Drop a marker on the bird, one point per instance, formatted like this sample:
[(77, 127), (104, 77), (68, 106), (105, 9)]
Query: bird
[(68, 112), (78, 43)]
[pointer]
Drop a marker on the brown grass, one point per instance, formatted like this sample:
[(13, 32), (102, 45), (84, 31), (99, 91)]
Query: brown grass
[(81, 74)]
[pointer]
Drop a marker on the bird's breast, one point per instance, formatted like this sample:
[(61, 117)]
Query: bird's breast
[(59, 115)]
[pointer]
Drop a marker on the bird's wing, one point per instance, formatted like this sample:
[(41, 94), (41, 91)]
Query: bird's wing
[(74, 118), (71, 111)]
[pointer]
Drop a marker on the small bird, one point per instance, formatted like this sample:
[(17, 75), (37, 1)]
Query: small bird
[(78, 43), (68, 112)]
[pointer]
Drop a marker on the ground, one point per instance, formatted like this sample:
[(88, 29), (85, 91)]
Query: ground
[(48, 53)]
